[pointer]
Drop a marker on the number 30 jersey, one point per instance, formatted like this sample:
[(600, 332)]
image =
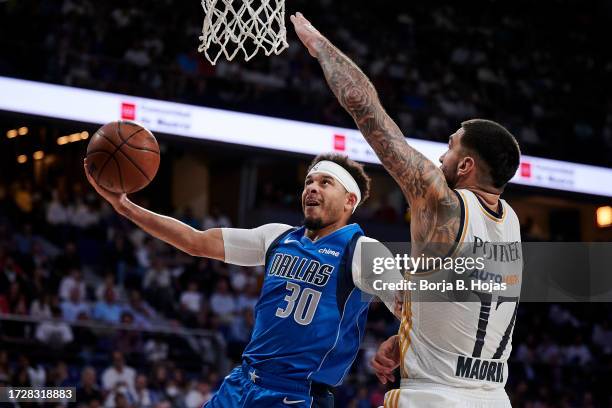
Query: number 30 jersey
[(310, 317), (466, 343)]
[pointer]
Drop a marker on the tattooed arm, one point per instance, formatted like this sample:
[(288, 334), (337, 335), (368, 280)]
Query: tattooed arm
[(435, 207)]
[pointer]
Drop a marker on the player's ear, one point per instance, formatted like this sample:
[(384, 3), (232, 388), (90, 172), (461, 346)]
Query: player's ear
[(465, 166), (351, 201)]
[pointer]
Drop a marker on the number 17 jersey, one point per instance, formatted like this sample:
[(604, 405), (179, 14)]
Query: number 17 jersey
[(466, 344)]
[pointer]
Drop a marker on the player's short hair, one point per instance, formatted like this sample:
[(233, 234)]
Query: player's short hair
[(495, 146), (355, 169)]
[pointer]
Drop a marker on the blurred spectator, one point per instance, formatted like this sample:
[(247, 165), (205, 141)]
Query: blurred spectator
[(548, 351), (163, 404), (75, 306), (36, 374), (120, 257), (145, 252), (578, 352), (88, 389), (85, 336), (58, 213), (107, 310), (21, 378), (68, 260), (118, 377), (239, 278), (137, 55), (189, 218), (128, 340), (109, 284), (240, 333), (191, 299), (16, 299), (143, 314), (142, 396), (25, 239), (158, 286), (54, 333), (72, 281), (174, 391), (40, 256), (526, 352), (156, 350), (11, 272), (198, 395), (216, 219), (117, 399), (248, 299), (59, 375), (160, 380), (84, 216), (222, 302)]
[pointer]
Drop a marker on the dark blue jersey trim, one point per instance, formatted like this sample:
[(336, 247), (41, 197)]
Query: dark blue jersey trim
[(276, 243), (345, 278), (499, 214)]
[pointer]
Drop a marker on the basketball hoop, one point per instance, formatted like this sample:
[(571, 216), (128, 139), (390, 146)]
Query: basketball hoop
[(231, 26)]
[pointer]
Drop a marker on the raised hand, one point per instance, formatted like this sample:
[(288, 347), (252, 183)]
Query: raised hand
[(309, 35), (115, 199)]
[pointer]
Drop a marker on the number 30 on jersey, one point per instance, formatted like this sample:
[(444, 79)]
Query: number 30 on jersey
[(302, 303)]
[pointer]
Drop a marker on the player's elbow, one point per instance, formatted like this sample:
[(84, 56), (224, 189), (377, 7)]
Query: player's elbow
[(204, 244), (192, 244), (193, 251)]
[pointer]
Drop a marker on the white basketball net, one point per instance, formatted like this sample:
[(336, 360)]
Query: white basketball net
[(231, 26)]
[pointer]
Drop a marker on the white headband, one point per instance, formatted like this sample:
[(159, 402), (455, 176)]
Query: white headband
[(340, 174)]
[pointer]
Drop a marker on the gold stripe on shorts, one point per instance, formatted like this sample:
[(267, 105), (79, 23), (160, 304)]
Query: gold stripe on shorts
[(396, 399), (404, 332), (391, 399)]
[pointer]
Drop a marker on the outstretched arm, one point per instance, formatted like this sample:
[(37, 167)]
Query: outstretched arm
[(433, 203), (207, 243), (236, 246)]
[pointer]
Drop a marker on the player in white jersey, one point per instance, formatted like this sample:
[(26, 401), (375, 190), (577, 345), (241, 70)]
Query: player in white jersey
[(453, 353)]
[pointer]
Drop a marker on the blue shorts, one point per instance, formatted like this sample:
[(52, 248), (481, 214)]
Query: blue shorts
[(249, 388)]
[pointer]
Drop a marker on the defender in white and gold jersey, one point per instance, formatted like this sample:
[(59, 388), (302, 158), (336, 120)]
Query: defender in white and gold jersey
[(455, 353), (446, 205)]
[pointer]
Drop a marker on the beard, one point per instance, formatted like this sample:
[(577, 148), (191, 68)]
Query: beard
[(313, 224), (450, 178)]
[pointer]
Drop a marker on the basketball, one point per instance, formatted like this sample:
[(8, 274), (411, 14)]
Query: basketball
[(123, 157)]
